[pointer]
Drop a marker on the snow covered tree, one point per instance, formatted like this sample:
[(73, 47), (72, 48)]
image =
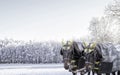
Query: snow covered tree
[(107, 27), (29, 52), (113, 11), (102, 29)]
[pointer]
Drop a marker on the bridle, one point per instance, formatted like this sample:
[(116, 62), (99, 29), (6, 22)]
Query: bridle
[(90, 57)]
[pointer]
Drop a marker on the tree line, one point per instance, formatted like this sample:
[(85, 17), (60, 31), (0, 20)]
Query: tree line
[(12, 51)]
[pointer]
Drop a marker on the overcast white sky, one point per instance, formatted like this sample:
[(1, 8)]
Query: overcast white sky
[(48, 19)]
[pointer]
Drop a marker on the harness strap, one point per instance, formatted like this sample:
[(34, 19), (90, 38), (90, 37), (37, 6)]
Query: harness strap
[(97, 62), (73, 61), (96, 68)]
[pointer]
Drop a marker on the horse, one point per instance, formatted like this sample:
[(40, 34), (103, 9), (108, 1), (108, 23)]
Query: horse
[(72, 57), (94, 60)]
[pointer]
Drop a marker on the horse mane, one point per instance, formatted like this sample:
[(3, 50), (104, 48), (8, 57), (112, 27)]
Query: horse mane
[(98, 52), (78, 48)]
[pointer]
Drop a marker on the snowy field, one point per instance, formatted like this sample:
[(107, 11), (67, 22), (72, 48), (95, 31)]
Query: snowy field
[(33, 69)]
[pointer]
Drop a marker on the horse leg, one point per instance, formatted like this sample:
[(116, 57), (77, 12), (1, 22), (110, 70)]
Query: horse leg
[(81, 74), (93, 72), (88, 73), (118, 73), (99, 74), (113, 73), (107, 73), (74, 73)]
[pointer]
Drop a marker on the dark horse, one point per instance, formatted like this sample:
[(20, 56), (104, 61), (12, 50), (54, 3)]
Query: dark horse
[(72, 57), (94, 60)]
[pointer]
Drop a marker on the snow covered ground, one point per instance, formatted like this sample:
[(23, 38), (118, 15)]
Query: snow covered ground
[(33, 69)]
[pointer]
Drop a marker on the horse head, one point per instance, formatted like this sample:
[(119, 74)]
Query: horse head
[(93, 55), (66, 52), (72, 55)]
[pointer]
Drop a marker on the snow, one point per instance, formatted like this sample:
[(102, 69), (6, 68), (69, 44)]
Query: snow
[(24, 66), (33, 69), (47, 71)]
